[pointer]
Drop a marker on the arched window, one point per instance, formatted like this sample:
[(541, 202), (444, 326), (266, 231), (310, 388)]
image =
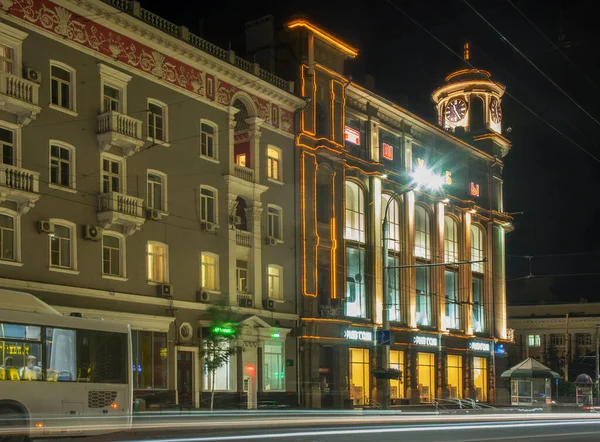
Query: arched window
[(355, 212), (476, 249), (241, 116), (422, 233), (241, 214), (393, 217), (450, 240)]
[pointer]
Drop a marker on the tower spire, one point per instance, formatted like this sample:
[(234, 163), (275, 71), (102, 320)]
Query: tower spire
[(466, 52)]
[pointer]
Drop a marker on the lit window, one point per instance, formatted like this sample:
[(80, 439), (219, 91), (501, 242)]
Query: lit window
[(209, 272), (156, 192), (62, 247), (274, 222), (111, 99), (6, 58), (397, 363), (452, 301), (112, 174), (274, 282), (8, 237), (221, 378), (393, 217), (150, 359), (241, 273), (393, 287), (157, 121), (480, 379), (62, 83), (477, 249), (422, 233), (533, 340), (208, 140), (8, 146), (158, 259), (208, 205), (455, 376), (478, 305), (355, 212), (450, 240), (62, 165), (423, 297), (360, 375), (426, 376), (356, 304), (273, 369), (112, 259), (274, 163)]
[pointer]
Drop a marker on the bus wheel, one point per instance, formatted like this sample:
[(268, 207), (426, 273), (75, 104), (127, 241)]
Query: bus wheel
[(9, 417)]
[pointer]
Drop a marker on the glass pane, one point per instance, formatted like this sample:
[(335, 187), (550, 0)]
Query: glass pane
[(61, 73), (6, 221), (355, 285), (62, 231), (65, 95), (8, 155), (160, 360), (65, 253), (115, 264), (54, 92), (111, 241), (65, 154), (7, 242), (65, 175), (155, 109)]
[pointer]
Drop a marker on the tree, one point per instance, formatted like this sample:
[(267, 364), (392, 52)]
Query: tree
[(218, 342)]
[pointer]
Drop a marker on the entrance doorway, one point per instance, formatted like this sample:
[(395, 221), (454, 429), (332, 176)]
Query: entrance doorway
[(185, 378)]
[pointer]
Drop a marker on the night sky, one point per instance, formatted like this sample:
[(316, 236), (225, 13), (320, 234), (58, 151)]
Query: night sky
[(546, 176)]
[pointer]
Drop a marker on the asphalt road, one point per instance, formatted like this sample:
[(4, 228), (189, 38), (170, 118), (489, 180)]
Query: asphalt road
[(538, 428)]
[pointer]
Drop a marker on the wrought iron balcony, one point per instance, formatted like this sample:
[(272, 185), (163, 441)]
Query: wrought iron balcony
[(20, 186), (116, 129), (243, 238), (20, 97), (121, 209)]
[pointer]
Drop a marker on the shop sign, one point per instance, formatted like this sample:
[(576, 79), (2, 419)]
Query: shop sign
[(351, 135), (480, 346), (427, 341), (388, 151), (358, 335), (474, 190)]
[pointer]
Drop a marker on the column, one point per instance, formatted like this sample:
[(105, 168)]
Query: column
[(254, 217), (374, 138), (254, 133)]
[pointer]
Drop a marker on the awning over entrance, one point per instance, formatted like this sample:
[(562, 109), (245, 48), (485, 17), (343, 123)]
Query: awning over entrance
[(530, 368)]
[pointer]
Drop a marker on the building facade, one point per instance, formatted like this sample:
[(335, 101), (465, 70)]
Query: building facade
[(147, 174), (356, 154)]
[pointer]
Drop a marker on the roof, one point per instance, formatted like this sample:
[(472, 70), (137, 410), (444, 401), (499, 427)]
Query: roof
[(530, 368)]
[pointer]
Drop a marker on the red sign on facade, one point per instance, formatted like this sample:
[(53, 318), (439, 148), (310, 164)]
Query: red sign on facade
[(351, 135), (388, 151), (474, 189)]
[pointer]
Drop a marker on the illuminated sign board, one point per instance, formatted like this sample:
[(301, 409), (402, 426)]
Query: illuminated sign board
[(388, 151), (427, 341), (480, 346), (275, 335), (358, 335), (448, 178), (351, 135), (223, 330), (474, 189)]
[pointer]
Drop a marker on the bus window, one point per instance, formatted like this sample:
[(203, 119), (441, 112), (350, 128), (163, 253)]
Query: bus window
[(60, 354), (20, 352)]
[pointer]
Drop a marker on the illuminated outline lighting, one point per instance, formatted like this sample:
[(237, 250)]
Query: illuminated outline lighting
[(324, 35)]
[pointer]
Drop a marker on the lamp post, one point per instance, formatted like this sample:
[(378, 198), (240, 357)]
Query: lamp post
[(421, 178)]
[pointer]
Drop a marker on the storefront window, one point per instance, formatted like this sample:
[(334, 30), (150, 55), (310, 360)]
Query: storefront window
[(221, 377), (397, 385), (480, 378), (426, 376), (360, 375), (455, 376), (150, 362), (273, 366), (356, 305)]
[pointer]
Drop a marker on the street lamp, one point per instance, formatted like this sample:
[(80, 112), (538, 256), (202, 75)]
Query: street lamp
[(421, 178)]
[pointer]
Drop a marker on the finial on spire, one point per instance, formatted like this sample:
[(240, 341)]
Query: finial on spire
[(466, 52)]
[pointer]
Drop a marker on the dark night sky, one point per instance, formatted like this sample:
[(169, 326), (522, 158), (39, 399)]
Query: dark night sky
[(546, 176)]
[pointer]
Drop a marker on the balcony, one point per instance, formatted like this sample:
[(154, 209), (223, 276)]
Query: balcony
[(20, 97), (243, 173), (243, 238), (116, 129), (21, 186), (124, 210)]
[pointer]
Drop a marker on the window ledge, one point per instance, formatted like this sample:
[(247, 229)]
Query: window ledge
[(273, 180), (63, 188), (11, 263), (63, 110), (61, 270), (150, 282), (211, 291), (158, 142), (115, 278), (212, 160)]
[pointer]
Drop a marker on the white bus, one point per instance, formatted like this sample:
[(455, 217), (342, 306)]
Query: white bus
[(59, 374)]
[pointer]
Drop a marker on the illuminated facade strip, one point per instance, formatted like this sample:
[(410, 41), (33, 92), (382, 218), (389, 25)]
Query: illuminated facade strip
[(324, 35)]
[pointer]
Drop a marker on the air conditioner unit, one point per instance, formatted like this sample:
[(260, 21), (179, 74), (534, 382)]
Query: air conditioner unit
[(236, 220), (45, 226), (152, 214), (249, 303), (165, 290), (32, 75), (271, 241), (92, 233), (202, 296), (269, 304), (246, 302), (209, 227)]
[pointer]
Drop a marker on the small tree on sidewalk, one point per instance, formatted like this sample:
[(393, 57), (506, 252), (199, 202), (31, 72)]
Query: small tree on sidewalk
[(218, 342)]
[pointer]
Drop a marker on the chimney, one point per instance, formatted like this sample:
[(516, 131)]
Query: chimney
[(370, 82), (260, 35)]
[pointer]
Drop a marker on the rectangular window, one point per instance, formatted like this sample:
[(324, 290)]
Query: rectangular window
[(557, 340), (397, 385), (273, 163), (207, 141), (112, 99), (111, 175), (356, 305), (274, 222), (452, 301), (455, 376), (156, 121), (222, 376), (209, 271), (60, 166), (157, 262), (156, 192), (60, 87), (241, 159), (423, 297), (7, 144), (584, 340), (60, 247), (150, 360), (7, 237), (274, 282), (208, 213), (393, 288), (480, 379), (6, 58), (360, 376), (273, 371), (241, 273), (478, 305), (533, 340), (426, 376), (388, 143), (111, 255), (21, 347)]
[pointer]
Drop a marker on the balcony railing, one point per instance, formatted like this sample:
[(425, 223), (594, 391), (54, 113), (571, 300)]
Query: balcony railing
[(120, 203), (123, 124), (243, 238), (19, 88), (19, 179), (243, 173)]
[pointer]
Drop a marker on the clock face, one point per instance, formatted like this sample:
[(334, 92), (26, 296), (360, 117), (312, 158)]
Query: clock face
[(496, 110), (455, 110)]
